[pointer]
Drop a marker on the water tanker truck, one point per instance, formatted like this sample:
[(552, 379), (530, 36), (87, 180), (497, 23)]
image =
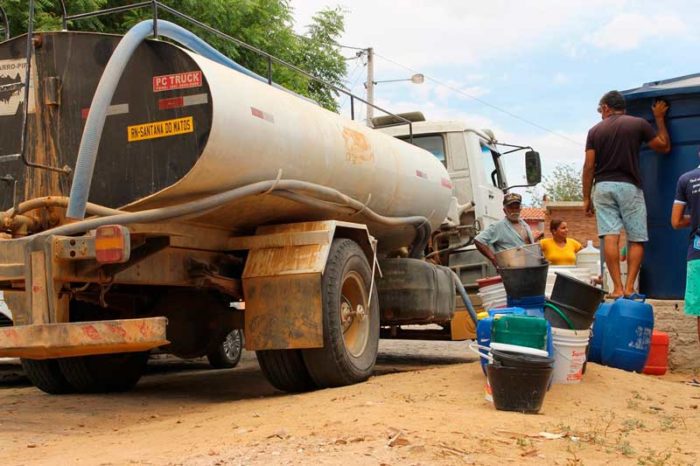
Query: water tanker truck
[(157, 196)]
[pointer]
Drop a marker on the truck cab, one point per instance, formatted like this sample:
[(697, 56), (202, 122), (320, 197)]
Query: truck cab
[(470, 156), (474, 159)]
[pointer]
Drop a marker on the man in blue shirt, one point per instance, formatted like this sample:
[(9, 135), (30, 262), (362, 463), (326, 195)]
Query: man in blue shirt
[(508, 233), (688, 200)]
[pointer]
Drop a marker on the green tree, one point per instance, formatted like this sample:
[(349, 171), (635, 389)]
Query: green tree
[(563, 184), (265, 24)]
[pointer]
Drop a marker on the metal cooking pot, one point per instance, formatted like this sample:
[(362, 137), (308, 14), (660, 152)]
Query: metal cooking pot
[(529, 255)]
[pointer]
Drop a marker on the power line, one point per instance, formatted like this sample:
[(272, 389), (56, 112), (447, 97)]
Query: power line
[(352, 86), (482, 101)]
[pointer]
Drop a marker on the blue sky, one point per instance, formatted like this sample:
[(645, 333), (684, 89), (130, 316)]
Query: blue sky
[(548, 61)]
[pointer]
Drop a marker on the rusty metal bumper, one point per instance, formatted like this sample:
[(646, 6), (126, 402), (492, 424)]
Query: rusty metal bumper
[(44, 341)]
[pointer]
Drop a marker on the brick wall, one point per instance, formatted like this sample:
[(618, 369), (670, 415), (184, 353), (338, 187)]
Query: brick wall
[(684, 349), (581, 227)]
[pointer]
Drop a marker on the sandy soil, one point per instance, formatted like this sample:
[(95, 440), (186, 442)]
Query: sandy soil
[(425, 409)]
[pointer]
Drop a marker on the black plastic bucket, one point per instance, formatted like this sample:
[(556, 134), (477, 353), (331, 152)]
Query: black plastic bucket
[(568, 317), (574, 293), (522, 282), (519, 389), (526, 361)]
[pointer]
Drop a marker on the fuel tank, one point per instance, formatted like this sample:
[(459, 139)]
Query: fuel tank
[(182, 127)]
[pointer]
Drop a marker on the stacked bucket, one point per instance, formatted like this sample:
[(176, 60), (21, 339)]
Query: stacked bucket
[(516, 341), (535, 341), (570, 310)]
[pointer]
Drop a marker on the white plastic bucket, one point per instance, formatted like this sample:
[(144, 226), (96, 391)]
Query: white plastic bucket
[(493, 297), (569, 354), (581, 273)]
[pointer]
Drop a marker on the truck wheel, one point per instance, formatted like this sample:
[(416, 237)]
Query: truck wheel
[(350, 320), (285, 370), (228, 352), (104, 373), (46, 375)]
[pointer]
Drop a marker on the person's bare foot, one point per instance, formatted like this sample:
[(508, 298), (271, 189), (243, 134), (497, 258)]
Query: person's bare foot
[(614, 294)]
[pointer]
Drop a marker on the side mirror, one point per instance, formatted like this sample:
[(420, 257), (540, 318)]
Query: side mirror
[(533, 168)]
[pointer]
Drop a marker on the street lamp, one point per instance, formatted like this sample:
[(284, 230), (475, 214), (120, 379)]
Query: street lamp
[(415, 79)]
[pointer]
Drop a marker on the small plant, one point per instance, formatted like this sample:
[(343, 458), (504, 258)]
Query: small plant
[(573, 460), (631, 424), (599, 428), (654, 458), (671, 423), (632, 404), (524, 442), (624, 448)]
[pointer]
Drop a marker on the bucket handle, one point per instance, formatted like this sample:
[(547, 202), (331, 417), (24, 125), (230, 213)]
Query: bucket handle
[(475, 347), (561, 314)]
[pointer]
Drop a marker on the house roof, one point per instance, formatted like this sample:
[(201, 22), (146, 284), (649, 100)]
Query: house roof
[(532, 213)]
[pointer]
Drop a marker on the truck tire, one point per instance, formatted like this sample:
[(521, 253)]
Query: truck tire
[(46, 375), (285, 370), (350, 320), (103, 373), (227, 353)]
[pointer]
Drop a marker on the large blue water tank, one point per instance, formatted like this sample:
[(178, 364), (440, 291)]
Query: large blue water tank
[(663, 270)]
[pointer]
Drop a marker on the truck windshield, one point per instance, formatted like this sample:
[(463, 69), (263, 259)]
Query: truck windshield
[(491, 166), (432, 143)]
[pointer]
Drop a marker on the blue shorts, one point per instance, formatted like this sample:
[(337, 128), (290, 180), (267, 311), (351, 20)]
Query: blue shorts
[(617, 205)]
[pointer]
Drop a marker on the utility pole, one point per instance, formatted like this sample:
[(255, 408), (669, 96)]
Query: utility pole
[(370, 85)]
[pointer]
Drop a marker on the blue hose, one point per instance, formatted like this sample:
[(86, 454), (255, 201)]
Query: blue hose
[(90, 142), (465, 297)]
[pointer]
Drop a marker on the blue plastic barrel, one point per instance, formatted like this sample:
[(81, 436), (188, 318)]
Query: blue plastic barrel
[(595, 346), (627, 340), (663, 271)]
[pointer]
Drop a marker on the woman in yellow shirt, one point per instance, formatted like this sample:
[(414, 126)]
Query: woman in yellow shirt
[(559, 249)]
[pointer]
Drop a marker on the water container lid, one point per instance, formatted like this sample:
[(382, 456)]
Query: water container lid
[(518, 349), (483, 282), (689, 84)]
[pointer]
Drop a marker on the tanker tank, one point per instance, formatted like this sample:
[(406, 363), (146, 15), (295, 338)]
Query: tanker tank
[(182, 127)]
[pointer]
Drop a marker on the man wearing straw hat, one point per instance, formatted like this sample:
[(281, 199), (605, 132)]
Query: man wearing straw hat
[(508, 233)]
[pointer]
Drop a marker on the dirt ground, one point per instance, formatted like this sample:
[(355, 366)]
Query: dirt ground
[(424, 406)]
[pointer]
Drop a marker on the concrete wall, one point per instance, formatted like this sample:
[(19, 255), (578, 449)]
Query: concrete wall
[(684, 349)]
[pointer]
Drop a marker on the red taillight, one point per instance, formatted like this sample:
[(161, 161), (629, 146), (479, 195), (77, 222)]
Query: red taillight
[(112, 244)]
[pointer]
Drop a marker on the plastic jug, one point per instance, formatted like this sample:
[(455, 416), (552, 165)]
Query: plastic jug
[(520, 330), (485, 324), (627, 341), (483, 335), (589, 257), (595, 347)]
